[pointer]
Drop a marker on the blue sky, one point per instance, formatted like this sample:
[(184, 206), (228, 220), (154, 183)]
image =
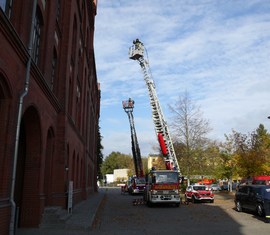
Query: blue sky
[(216, 50)]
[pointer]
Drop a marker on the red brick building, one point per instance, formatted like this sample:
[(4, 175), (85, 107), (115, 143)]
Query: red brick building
[(49, 107)]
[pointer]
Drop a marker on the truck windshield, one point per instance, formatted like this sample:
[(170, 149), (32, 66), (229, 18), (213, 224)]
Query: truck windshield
[(140, 181), (166, 177)]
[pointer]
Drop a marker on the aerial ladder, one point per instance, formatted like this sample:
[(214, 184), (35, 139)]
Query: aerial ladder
[(136, 184), (128, 106), (136, 52)]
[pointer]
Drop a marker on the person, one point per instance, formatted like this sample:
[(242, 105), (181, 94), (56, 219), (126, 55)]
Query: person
[(137, 44)]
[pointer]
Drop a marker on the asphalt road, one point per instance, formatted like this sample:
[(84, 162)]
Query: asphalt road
[(118, 215)]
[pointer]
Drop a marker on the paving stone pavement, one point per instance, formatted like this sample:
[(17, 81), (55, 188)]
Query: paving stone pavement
[(83, 217), (80, 223)]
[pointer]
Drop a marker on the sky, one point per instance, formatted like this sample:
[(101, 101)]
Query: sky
[(215, 50)]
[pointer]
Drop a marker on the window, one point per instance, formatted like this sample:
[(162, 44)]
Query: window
[(3, 4), (267, 193), (78, 104), (74, 40), (70, 96), (244, 189), (58, 10), (199, 188), (36, 38), (6, 6), (54, 66)]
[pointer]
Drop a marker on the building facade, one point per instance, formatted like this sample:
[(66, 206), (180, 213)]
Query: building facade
[(49, 106), (155, 161)]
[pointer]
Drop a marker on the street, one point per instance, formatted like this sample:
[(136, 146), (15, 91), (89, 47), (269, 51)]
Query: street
[(118, 215)]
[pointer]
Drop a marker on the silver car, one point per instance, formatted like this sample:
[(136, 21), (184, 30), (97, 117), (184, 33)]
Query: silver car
[(215, 187)]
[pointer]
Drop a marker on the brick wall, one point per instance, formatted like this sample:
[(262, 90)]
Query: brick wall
[(55, 143)]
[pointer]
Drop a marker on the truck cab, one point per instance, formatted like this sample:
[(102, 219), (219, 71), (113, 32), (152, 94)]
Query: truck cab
[(136, 185)]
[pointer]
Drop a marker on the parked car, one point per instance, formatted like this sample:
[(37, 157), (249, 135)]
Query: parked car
[(224, 187), (254, 198), (196, 193), (215, 187), (228, 186)]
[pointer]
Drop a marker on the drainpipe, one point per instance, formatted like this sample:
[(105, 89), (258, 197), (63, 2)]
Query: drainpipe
[(24, 93)]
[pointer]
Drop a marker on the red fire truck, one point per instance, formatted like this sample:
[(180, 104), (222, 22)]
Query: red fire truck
[(162, 186)]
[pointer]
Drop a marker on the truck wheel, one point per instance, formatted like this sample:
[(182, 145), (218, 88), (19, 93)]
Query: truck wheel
[(238, 206)]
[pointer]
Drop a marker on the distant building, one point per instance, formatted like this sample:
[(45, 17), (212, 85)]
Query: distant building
[(120, 174), (109, 179), (49, 105), (155, 161)]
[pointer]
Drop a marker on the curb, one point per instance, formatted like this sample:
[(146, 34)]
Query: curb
[(93, 220)]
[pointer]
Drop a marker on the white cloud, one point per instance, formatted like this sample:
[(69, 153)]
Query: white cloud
[(216, 50)]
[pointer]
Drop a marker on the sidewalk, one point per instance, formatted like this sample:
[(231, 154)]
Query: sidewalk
[(80, 223)]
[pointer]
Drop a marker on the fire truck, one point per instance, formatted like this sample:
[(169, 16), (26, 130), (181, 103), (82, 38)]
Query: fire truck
[(136, 184), (166, 190), (162, 186)]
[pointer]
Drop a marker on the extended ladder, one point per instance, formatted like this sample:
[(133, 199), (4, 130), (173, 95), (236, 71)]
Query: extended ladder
[(136, 52), (128, 107)]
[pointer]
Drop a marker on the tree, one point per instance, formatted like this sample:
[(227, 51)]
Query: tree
[(190, 130), (226, 169), (145, 165), (252, 152), (208, 161), (99, 154), (116, 160)]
